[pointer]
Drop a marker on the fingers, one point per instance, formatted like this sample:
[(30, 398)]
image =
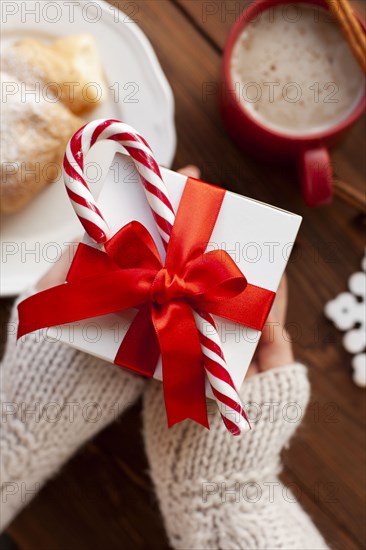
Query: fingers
[(279, 308), (275, 348), (277, 316), (191, 171), (252, 370), (277, 354)]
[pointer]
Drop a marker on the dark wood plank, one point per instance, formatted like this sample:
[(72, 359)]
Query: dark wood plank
[(216, 17), (313, 499), (317, 461), (103, 498)]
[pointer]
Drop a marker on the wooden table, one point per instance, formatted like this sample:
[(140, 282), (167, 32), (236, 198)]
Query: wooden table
[(103, 498)]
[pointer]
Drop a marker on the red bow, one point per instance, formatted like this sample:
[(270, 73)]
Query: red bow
[(130, 274)]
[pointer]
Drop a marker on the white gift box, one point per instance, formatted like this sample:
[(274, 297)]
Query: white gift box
[(257, 236)]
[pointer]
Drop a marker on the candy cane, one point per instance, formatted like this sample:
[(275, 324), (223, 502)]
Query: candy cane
[(134, 144), (222, 385)]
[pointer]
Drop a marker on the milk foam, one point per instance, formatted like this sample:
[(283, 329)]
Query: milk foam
[(294, 71)]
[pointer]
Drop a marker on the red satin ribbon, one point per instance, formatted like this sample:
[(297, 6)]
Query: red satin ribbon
[(130, 274)]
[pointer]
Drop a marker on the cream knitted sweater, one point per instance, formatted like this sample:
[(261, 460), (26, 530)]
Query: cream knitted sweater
[(220, 492), (215, 491), (53, 399)]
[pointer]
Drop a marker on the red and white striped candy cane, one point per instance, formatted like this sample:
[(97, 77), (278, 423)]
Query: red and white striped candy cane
[(223, 388), (134, 145)]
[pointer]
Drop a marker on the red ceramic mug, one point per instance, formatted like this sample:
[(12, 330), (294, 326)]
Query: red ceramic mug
[(310, 151)]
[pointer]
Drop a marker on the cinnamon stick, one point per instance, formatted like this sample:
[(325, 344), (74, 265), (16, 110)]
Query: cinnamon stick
[(350, 195), (351, 28)]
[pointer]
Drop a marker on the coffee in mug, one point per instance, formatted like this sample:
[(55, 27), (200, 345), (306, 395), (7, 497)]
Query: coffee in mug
[(294, 72)]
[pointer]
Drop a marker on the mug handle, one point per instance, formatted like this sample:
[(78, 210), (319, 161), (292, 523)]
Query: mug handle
[(316, 176)]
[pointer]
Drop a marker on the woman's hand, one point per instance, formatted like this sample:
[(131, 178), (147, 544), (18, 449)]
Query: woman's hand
[(274, 348)]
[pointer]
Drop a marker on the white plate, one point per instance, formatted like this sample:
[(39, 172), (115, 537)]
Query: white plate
[(139, 94)]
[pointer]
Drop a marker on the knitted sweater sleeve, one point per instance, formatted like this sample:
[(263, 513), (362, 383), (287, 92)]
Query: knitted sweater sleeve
[(219, 491), (53, 399)]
